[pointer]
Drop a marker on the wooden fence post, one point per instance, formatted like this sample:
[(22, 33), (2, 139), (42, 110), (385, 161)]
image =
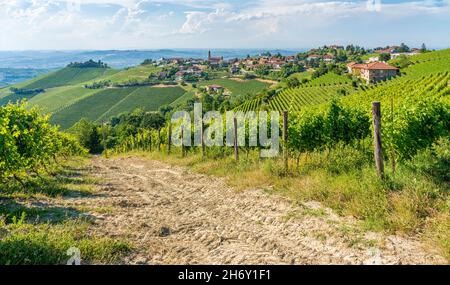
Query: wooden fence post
[(159, 139), (285, 138), (203, 142), (182, 142), (169, 138), (378, 149), (236, 147)]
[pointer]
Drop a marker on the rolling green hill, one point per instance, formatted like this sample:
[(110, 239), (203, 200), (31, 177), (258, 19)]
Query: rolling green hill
[(91, 107), (295, 99), (59, 97), (329, 78), (68, 76), (138, 73), (148, 98), (104, 104), (238, 87)]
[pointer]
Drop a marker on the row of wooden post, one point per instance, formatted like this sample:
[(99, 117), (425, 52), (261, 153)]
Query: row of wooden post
[(376, 120)]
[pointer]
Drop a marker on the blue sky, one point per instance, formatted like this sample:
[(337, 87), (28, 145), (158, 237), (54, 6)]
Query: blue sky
[(150, 24)]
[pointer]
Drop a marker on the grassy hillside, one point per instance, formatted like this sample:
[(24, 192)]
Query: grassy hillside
[(91, 107), (295, 99), (238, 87), (183, 99), (138, 73), (68, 76), (330, 78), (148, 98), (103, 104), (59, 97)]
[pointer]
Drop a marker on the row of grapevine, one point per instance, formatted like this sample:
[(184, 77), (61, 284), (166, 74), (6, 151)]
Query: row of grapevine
[(329, 79), (28, 142), (295, 99), (415, 125)]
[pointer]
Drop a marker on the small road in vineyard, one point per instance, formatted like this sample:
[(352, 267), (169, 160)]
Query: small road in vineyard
[(173, 216)]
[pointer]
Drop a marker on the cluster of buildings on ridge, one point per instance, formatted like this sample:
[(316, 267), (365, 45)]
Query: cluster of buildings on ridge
[(372, 70)]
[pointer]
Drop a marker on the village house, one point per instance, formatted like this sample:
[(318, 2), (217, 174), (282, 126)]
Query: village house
[(276, 63), (179, 75), (336, 47), (177, 60), (235, 69), (291, 59), (162, 75), (328, 58), (214, 88), (373, 72), (313, 57), (411, 53)]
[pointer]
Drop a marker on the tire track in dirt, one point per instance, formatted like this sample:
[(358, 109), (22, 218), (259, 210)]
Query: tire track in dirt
[(176, 217)]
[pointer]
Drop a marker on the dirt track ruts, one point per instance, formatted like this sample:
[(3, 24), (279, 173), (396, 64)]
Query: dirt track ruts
[(173, 216)]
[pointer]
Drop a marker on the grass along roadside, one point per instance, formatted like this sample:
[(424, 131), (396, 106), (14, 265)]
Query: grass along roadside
[(415, 201), (35, 229)]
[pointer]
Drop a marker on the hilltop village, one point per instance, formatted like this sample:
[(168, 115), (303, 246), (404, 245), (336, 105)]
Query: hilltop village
[(367, 65)]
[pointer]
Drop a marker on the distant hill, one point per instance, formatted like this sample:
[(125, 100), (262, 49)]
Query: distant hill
[(9, 76)]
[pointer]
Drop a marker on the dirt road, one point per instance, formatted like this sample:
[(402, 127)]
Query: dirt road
[(176, 217)]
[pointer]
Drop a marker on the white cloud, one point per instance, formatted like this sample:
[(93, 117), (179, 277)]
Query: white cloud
[(200, 22), (57, 24)]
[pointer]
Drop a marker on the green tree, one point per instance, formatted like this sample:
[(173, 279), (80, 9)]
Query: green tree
[(384, 57), (88, 135), (292, 82), (153, 121)]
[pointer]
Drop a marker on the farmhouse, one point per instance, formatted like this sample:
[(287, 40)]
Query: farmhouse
[(392, 49), (373, 72), (214, 88), (235, 69), (328, 58), (314, 57)]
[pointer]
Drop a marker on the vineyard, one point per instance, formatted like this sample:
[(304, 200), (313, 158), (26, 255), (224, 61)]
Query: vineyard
[(429, 73), (297, 98), (103, 104), (329, 78), (68, 76), (326, 155), (148, 98), (138, 73), (236, 87), (29, 143), (59, 97), (426, 67)]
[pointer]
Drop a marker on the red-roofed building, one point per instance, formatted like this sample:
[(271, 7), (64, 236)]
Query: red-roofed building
[(374, 71), (314, 56), (328, 57), (214, 88)]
